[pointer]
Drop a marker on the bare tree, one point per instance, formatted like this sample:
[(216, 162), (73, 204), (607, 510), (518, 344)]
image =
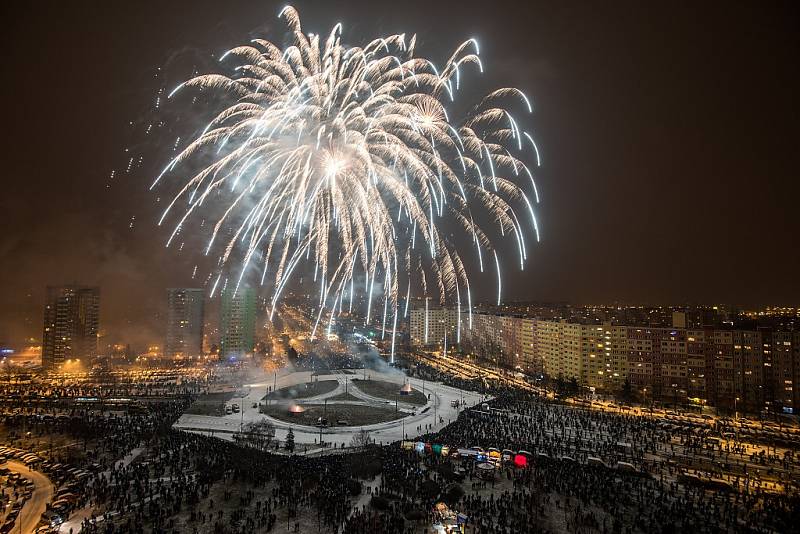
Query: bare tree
[(256, 434), (360, 439)]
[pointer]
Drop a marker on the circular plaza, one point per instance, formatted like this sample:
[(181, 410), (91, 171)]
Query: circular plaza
[(330, 408)]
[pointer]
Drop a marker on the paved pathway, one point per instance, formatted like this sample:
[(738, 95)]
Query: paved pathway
[(34, 507), (346, 385), (439, 406), (77, 517), (363, 500)]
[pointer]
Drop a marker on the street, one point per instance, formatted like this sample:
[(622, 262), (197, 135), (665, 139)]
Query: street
[(34, 507)]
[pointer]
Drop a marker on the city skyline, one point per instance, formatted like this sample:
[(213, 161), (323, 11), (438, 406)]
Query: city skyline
[(678, 228), (196, 300), (192, 327)]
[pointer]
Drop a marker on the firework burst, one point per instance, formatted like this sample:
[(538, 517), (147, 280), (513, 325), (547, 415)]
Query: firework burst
[(346, 158)]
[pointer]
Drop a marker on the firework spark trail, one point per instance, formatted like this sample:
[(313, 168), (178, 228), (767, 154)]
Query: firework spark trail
[(320, 145)]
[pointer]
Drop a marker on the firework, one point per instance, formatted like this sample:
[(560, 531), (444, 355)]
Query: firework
[(346, 158)]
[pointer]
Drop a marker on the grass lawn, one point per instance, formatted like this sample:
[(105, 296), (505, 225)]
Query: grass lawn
[(355, 415), (303, 391), (389, 390)]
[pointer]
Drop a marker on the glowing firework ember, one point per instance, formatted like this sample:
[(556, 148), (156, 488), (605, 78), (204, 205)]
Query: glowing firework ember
[(345, 158)]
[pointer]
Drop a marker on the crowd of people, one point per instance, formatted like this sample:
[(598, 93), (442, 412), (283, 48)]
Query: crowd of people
[(86, 388), (193, 483), (598, 495), (147, 477)]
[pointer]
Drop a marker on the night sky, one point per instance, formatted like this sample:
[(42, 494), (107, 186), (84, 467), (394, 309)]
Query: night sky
[(668, 134)]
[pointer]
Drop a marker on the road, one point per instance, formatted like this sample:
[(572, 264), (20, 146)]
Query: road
[(439, 405), (468, 370), (34, 507)]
